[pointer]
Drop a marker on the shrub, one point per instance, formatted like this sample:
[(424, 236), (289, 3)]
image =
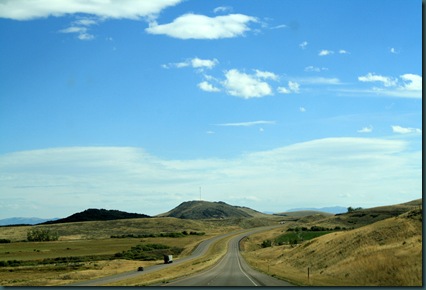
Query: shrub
[(4, 241), (266, 243), (41, 235)]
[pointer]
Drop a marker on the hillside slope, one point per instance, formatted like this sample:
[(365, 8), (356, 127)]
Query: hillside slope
[(384, 253), (206, 210), (93, 214)]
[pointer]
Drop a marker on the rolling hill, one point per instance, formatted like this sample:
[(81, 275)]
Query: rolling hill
[(93, 214), (208, 210), (383, 249)]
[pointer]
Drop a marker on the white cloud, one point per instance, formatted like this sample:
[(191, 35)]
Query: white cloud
[(266, 75), (393, 50), (245, 86), (368, 129), (283, 90), (63, 181), (302, 109), (195, 26), (293, 87), (247, 124), (370, 77), (128, 9), (206, 86), (412, 82), (222, 9), (207, 63), (315, 69), (325, 52), (194, 63), (405, 130), (342, 51), (408, 86), (278, 26), (303, 45), (319, 81), (81, 32)]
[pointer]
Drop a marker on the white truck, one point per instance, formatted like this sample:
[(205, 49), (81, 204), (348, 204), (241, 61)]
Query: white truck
[(168, 259)]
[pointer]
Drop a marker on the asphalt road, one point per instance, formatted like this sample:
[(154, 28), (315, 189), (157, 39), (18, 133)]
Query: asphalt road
[(232, 270)]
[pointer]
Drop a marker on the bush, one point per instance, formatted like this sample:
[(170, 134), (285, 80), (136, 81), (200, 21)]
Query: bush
[(41, 235), (4, 241), (148, 252), (266, 243)]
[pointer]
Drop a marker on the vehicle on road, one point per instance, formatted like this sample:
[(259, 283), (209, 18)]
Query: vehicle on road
[(168, 259)]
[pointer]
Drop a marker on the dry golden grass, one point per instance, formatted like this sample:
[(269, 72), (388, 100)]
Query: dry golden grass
[(104, 229), (92, 238), (51, 275), (385, 253)]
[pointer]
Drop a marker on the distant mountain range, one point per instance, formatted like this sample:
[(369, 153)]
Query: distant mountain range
[(23, 221), (196, 209), (331, 209)]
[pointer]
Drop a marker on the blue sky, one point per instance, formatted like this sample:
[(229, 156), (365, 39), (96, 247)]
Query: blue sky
[(135, 105)]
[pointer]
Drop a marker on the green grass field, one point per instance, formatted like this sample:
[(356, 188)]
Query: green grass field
[(297, 237)]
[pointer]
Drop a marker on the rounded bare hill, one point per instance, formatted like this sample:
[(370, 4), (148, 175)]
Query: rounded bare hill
[(207, 210), (93, 214)]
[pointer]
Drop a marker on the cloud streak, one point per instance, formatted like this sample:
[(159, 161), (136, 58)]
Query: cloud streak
[(247, 124), (131, 179), (112, 9)]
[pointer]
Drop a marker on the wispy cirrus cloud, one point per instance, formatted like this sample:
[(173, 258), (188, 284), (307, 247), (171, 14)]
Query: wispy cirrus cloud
[(406, 86), (247, 124), (312, 68), (194, 63), (112, 9), (134, 180), (405, 130), (222, 9), (196, 26), (368, 129), (293, 87), (303, 45), (325, 52), (319, 81), (371, 77)]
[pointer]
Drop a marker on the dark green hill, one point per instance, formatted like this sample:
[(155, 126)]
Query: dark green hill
[(206, 210), (93, 214)]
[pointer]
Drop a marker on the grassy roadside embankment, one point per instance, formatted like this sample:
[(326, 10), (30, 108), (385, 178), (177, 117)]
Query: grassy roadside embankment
[(384, 253)]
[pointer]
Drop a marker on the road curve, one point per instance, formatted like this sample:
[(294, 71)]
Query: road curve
[(231, 270), (232, 257)]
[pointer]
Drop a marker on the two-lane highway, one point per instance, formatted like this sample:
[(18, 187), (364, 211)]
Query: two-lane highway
[(231, 270)]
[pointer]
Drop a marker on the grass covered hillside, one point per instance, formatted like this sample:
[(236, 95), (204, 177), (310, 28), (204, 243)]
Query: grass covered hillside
[(383, 253), (206, 210)]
